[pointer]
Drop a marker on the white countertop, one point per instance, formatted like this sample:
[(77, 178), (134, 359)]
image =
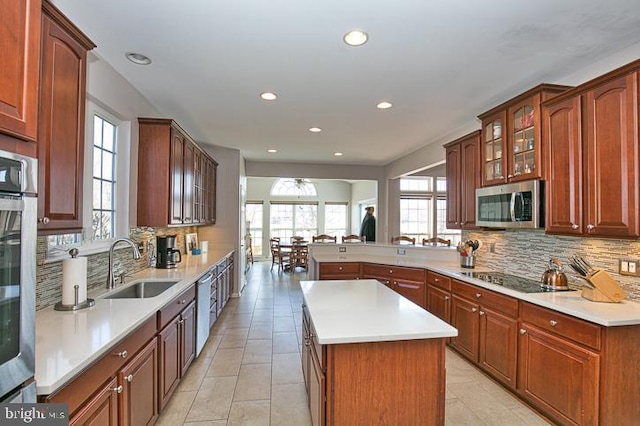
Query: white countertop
[(356, 311), (67, 342), (568, 302)]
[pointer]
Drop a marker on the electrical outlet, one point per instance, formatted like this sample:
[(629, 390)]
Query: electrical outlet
[(629, 267), (342, 249), (402, 251)]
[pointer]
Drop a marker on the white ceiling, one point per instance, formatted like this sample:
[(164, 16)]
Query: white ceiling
[(441, 63)]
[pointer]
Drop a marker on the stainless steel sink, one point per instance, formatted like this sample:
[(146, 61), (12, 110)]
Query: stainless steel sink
[(142, 290)]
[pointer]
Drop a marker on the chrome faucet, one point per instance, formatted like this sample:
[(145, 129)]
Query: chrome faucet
[(111, 281)]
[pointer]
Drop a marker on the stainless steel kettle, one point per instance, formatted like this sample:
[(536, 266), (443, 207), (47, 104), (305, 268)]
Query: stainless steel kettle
[(553, 278)]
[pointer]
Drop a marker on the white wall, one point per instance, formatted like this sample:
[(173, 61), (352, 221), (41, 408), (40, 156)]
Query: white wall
[(107, 88)]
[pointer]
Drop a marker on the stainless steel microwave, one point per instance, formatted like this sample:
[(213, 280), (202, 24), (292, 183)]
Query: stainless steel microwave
[(513, 205)]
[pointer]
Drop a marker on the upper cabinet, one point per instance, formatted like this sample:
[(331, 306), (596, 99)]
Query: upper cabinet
[(593, 156), (20, 47), (463, 177), (61, 123), (176, 179), (511, 133)]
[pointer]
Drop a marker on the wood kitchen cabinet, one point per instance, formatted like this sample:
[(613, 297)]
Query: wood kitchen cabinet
[(176, 342), (409, 282), (61, 124), (102, 393), (19, 80), (439, 296), (510, 147), (463, 177), (487, 324), (313, 362), (339, 271), (591, 134), (168, 184)]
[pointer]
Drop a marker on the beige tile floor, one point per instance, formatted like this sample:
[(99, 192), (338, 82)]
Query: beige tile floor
[(249, 372)]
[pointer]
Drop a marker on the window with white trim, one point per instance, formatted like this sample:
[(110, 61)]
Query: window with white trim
[(336, 219), (105, 203), (289, 219), (254, 214)]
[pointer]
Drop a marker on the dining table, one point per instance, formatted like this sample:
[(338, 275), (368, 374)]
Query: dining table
[(292, 248)]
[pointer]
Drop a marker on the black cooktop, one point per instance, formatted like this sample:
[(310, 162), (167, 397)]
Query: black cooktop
[(512, 282)]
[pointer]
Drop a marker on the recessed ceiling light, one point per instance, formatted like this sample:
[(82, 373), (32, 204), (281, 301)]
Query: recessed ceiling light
[(272, 150), (268, 96), (355, 38), (337, 154), (138, 58), (315, 129), (384, 105)]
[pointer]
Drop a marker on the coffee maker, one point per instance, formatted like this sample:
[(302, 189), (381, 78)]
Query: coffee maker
[(167, 254)]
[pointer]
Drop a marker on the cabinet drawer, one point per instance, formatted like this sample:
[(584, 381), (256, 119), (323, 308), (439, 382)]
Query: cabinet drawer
[(394, 272), (505, 304), (575, 329), (337, 268), (90, 380), (176, 306), (439, 280)]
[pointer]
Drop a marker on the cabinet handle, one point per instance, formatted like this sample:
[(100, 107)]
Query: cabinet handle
[(340, 268), (574, 226), (509, 176), (43, 220), (117, 389), (307, 343), (182, 302), (391, 271), (435, 280), (122, 354), (446, 298), (553, 323), (590, 227), (481, 312), (463, 223), (130, 378), (474, 310), (523, 331), (478, 295), (304, 306)]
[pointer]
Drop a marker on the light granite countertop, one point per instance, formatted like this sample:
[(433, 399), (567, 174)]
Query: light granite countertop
[(568, 302), (356, 311), (67, 342)]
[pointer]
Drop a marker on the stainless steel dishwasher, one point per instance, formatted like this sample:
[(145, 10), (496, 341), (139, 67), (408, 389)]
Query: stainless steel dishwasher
[(203, 297)]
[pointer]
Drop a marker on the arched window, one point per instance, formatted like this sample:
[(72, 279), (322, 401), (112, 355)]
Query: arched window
[(294, 187)]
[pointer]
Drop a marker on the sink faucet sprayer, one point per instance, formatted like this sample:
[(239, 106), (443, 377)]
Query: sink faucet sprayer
[(111, 282)]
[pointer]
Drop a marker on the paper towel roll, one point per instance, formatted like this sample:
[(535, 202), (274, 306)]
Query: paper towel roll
[(74, 272), (204, 245)]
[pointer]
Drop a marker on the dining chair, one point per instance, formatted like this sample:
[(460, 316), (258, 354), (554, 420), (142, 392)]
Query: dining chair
[(403, 240), (278, 256), (353, 238), (324, 238), (300, 257), (435, 241)]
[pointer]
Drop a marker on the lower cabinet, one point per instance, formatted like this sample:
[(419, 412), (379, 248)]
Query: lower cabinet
[(313, 372), (487, 324), (103, 394), (177, 349), (439, 296), (339, 271), (409, 282)]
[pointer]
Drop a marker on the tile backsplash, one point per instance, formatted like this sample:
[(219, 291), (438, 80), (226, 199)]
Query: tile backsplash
[(527, 253), (49, 275)]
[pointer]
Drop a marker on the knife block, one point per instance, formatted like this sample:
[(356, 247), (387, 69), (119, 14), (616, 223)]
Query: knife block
[(606, 288)]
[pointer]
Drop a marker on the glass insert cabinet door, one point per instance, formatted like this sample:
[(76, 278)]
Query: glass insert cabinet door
[(494, 151), (523, 141)]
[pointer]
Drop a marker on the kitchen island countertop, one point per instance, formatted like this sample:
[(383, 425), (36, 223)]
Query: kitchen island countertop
[(356, 311)]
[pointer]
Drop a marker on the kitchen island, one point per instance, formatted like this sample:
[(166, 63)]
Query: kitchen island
[(371, 356)]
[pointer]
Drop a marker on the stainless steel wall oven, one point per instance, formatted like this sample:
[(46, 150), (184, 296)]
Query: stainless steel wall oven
[(18, 233)]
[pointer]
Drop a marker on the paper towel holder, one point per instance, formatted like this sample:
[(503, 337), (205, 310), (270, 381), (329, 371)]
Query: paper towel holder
[(76, 306)]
